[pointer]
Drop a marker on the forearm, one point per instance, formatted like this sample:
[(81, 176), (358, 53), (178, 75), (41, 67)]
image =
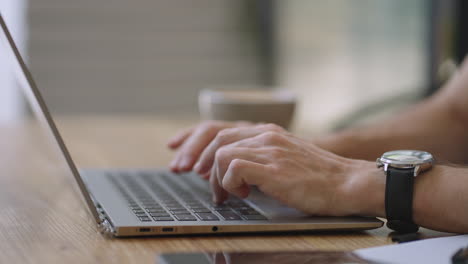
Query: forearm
[(440, 199), (430, 126)]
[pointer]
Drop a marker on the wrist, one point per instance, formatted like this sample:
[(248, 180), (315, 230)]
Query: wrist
[(344, 144), (364, 189), (336, 143)]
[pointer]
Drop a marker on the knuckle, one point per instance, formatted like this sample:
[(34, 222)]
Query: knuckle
[(267, 136), (235, 166), (223, 136), (276, 169), (271, 137), (222, 154), (273, 127)]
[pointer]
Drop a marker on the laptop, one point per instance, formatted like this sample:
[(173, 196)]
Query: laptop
[(144, 202)]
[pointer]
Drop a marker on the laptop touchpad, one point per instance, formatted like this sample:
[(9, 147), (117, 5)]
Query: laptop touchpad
[(272, 208)]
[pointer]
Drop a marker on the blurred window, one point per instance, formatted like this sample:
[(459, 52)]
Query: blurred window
[(341, 55)]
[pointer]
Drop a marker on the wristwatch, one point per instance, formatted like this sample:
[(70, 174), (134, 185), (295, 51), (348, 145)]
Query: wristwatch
[(401, 167)]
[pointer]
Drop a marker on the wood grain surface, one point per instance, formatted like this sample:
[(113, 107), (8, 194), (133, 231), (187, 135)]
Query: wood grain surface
[(43, 218)]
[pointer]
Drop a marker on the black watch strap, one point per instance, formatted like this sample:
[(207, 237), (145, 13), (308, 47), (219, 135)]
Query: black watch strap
[(399, 200)]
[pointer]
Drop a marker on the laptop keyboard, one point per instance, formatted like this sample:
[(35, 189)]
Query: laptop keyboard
[(192, 203)]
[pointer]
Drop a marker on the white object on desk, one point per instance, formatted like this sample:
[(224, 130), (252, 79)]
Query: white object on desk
[(435, 250)]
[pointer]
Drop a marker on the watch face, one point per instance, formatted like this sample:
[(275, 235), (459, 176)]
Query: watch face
[(407, 157)]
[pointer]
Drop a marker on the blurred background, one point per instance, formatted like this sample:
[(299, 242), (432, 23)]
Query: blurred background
[(348, 61)]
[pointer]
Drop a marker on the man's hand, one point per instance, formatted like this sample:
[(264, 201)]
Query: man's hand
[(294, 172), (201, 142), (289, 169), (191, 142)]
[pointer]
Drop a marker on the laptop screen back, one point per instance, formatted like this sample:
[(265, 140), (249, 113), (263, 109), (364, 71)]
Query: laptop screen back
[(10, 53)]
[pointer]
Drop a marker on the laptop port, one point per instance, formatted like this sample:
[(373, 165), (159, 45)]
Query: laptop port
[(167, 229), (215, 228), (145, 229)]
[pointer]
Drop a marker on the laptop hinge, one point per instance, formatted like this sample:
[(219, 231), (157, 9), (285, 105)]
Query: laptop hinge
[(106, 228), (105, 224)]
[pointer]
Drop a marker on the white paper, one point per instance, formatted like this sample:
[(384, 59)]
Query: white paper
[(434, 250)]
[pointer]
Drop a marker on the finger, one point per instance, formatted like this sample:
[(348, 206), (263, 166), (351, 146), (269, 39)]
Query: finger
[(194, 145), (173, 164), (225, 155), (178, 139), (223, 138), (241, 174), (219, 194), (251, 143), (175, 143), (228, 136), (206, 176)]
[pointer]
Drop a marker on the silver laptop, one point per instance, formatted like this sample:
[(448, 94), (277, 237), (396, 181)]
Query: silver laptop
[(142, 202)]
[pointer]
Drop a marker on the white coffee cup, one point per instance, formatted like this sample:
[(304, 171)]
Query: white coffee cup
[(255, 105)]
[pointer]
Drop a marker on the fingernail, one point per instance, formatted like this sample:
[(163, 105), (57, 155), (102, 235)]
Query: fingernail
[(174, 169), (185, 163)]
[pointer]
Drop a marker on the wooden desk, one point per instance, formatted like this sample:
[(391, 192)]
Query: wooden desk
[(43, 218)]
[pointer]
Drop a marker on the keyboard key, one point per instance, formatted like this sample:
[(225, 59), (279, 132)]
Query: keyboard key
[(207, 217), (175, 208), (173, 205), (168, 200), (201, 210), (140, 214), (229, 215), (195, 202), (158, 207), (156, 210), (248, 212), (159, 214), (150, 206), (221, 209), (138, 211), (197, 206), (185, 217), (236, 203), (242, 208), (179, 212), (145, 219), (165, 218), (254, 217)]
